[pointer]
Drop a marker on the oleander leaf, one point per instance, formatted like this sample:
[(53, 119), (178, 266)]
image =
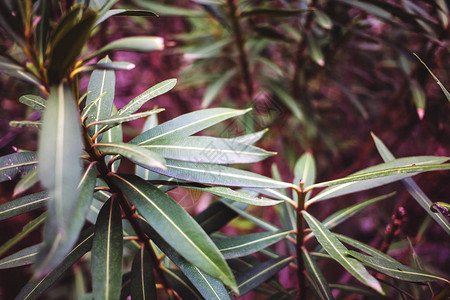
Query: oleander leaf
[(173, 223), (205, 149), (260, 273), (112, 65), (35, 102), (146, 174), (217, 174), (25, 123), (216, 86), (444, 90), (124, 12), (137, 154), (338, 252), (142, 278), (60, 148), (320, 283), (395, 270), (101, 90), (378, 175), (55, 246), (154, 91), (113, 135), (26, 182), (135, 43), (16, 165), (208, 286), (250, 138), (107, 250), (35, 287), (247, 244), (20, 258), (187, 124), (274, 12), (411, 186), (23, 205)]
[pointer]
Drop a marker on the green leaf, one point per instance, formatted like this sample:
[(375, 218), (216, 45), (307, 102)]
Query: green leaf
[(35, 102), (187, 124), (25, 123), (27, 229), (14, 69), (250, 138), (413, 188), (71, 34), (214, 217), (27, 181), (257, 275), (320, 284), (20, 258), (16, 165), (101, 86), (208, 286), (338, 252), (115, 120), (173, 223), (146, 174), (243, 245), (142, 278), (234, 195), (378, 175), (205, 149), (395, 270), (154, 91), (314, 50), (107, 249), (35, 287), (113, 65), (181, 284), (285, 97), (216, 86), (22, 205), (274, 12), (124, 12), (217, 174), (354, 289), (60, 148), (323, 19), (444, 90), (305, 172), (113, 135), (419, 98), (135, 43), (55, 246), (169, 10), (137, 154)]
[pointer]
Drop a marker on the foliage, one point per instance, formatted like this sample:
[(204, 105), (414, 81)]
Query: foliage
[(139, 240)]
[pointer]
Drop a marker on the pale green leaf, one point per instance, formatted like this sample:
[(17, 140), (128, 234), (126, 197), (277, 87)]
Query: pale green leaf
[(22, 205), (25, 123), (113, 135), (101, 90), (216, 86), (413, 188), (146, 174), (135, 43), (378, 175), (187, 124), (20, 258), (16, 165), (154, 91), (27, 181), (60, 148), (35, 102), (338, 252), (176, 226), (205, 149), (217, 174), (137, 154), (107, 249), (250, 138), (243, 245)]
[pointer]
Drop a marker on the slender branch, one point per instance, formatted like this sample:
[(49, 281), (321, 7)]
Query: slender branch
[(240, 45), (301, 195)]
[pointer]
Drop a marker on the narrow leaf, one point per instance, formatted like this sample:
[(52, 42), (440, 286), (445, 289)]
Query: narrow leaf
[(137, 154), (444, 90), (101, 86), (181, 284), (250, 138), (274, 12), (216, 86), (27, 181), (124, 12), (20, 258), (257, 275), (23, 205), (136, 43), (35, 102), (187, 124), (217, 174), (146, 174), (107, 250), (413, 188), (25, 123), (173, 223), (16, 165), (113, 135), (396, 270), (142, 278), (378, 175), (113, 65), (155, 91), (338, 251), (323, 290), (205, 149), (35, 287), (243, 245)]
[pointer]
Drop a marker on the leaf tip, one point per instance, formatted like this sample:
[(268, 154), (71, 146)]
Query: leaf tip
[(420, 113)]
